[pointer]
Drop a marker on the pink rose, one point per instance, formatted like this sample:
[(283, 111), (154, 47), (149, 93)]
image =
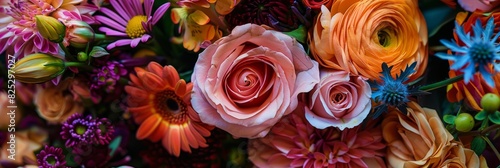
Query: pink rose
[(481, 5), (245, 82), (338, 100)]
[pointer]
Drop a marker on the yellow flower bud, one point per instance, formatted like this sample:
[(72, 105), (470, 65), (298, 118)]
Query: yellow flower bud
[(37, 68), (50, 28)]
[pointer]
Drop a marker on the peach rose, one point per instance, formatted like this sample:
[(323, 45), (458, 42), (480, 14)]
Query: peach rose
[(245, 82), (55, 103), (359, 35), (338, 100), (418, 139)]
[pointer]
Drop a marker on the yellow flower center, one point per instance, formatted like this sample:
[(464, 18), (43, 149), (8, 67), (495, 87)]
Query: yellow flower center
[(134, 26)]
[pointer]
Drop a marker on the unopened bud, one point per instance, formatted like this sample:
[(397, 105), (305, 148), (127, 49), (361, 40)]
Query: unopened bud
[(79, 33), (50, 28), (38, 68)]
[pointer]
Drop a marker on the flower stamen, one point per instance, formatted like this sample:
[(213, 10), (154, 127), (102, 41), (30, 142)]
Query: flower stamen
[(134, 27)]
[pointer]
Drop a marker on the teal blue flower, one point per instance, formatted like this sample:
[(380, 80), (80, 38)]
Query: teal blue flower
[(393, 92), (480, 51)]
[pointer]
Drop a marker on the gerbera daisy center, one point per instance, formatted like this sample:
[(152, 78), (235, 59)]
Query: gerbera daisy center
[(482, 53), (134, 27), (170, 106)]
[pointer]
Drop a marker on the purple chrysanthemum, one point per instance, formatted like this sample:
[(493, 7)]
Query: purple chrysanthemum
[(105, 131), (79, 130), (132, 20), (51, 157), (107, 76)]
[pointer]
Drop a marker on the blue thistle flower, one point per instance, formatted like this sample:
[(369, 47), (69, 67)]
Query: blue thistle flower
[(479, 51), (391, 91)]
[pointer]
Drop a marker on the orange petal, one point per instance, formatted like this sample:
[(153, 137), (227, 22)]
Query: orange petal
[(155, 68), (180, 88), (184, 140), (173, 142), (152, 81), (160, 131), (199, 17), (171, 75), (190, 137), (148, 127)]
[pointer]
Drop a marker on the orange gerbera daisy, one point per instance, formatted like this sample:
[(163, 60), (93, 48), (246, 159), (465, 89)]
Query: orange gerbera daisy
[(160, 102)]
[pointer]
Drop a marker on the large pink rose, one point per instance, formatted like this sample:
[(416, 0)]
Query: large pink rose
[(338, 100), (245, 82)]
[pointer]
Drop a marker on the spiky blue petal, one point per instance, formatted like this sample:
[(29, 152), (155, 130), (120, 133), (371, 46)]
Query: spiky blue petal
[(479, 52)]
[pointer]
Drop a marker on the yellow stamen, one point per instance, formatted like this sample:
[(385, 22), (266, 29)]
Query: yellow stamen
[(134, 26)]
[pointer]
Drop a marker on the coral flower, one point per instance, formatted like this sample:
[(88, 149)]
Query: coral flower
[(294, 143), (18, 25), (132, 21), (160, 102), (359, 35)]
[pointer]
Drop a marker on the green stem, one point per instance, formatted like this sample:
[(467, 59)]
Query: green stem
[(440, 84), (492, 146), (66, 52), (79, 65)]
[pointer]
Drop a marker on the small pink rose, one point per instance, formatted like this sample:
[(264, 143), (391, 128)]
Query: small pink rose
[(245, 82), (338, 100)]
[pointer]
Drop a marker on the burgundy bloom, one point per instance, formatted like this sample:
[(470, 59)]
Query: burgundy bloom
[(51, 157), (274, 13), (79, 130), (293, 142), (92, 155), (104, 132)]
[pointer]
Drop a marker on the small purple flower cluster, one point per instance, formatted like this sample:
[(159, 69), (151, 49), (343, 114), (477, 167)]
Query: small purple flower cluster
[(107, 76), (80, 130)]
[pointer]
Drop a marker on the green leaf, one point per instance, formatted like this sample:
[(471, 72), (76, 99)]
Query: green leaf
[(299, 34), (70, 160), (114, 145), (495, 117), (98, 51), (478, 145), (481, 115), (449, 119)]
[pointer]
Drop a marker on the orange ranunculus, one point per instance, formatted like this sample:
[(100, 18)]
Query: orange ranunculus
[(418, 139), (359, 35)]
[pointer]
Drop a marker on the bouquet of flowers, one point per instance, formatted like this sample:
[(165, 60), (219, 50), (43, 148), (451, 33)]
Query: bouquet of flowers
[(249, 83)]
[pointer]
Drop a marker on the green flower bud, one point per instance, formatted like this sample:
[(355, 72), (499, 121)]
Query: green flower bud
[(50, 28), (490, 102), (82, 56), (37, 68), (464, 122)]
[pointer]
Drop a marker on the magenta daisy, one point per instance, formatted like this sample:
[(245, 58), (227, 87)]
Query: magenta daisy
[(131, 20)]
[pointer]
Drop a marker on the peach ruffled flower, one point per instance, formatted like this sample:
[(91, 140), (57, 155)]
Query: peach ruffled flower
[(55, 104), (246, 81), (26, 143), (359, 35), (293, 142), (419, 139), (160, 103), (338, 100)]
